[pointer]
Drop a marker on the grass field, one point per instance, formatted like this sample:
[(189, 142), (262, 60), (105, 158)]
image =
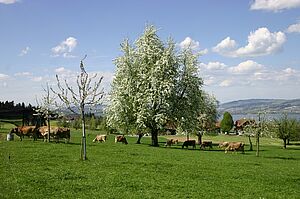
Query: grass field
[(48, 170)]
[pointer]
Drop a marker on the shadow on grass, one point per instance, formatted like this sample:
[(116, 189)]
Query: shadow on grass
[(294, 144), (282, 158)]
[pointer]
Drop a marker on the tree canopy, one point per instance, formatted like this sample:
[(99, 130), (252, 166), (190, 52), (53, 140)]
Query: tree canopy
[(155, 84), (227, 122), (286, 128)]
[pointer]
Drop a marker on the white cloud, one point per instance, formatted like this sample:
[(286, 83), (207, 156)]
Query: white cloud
[(289, 71), (226, 83), (274, 5), (8, 1), (245, 67), (209, 80), (37, 79), (3, 76), (287, 75), (261, 75), (203, 52), (65, 48), (60, 70), (261, 42), (294, 28), (23, 74), (64, 73), (24, 51), (226, 45), (213, 65), (189, 43)]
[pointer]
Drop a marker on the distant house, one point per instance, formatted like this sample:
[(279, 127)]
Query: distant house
[(240, 124), (170, 127)]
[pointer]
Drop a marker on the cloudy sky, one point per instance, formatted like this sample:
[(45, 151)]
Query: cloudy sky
[(250, 49)]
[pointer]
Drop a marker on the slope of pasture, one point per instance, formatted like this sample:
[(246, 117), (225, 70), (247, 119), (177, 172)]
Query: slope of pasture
[(47, 170)]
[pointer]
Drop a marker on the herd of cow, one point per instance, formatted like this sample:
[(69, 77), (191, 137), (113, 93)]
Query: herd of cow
[(229, 146), (42, 132), (118, 138), (60, 132)]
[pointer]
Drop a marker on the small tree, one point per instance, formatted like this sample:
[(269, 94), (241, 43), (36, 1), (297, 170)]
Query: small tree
[(93, 124), (227, 122), (77, 100), (250, 130), (285, 128), (208, 118), (46, 106), (76, 123)]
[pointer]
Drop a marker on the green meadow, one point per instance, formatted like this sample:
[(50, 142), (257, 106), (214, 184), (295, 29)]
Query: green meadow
[(34, 169)]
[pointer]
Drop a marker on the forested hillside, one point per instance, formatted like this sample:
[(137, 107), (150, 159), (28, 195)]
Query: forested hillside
[(256, 105)]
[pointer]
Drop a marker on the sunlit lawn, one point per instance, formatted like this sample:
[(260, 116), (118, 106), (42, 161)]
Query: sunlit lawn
[(47, 170)]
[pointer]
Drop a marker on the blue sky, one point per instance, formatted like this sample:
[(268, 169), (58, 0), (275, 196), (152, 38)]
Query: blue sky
[(250, 48)]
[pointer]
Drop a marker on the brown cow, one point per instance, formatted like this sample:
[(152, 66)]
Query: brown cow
[(30, 131), (43, 131), (223, 144), (235, 146), (121, 138), (55, 133), (63, 132), (189, 143), (206, 144), (100, 138), (170, 142)]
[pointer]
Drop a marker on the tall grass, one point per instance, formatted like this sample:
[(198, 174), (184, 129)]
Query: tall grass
[(47, 170)]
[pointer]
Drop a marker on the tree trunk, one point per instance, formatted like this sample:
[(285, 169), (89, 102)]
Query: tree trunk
[(83, 141), (49, 128), (199, 138), (250, 142), (257, 144), (257, 136), (288, 141), (154, 137), (284, 143), (140, 137)]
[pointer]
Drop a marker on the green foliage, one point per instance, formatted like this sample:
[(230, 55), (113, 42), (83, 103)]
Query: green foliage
[(227, 122), (63, 122), (76, 123), (286, 128), (92, 123), (136, 171), (154, 84)]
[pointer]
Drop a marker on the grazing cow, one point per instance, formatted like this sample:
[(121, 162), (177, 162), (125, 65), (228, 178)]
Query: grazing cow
[(223, 144), (63, 132), (235, 146), (100, 138), (189, 143), (30, 131), (121, 138), (170, 142), (206, 144), (55, 133), (43, 131)]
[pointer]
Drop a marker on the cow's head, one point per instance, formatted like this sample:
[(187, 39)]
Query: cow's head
[(14, 130)]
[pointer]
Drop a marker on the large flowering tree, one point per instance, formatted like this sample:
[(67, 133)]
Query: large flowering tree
[(153, 85)]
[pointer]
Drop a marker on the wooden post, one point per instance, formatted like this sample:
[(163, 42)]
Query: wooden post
[(83, 150)]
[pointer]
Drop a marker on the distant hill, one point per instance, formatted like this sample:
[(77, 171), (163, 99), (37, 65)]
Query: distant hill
[(98, 110), (253, 106)]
